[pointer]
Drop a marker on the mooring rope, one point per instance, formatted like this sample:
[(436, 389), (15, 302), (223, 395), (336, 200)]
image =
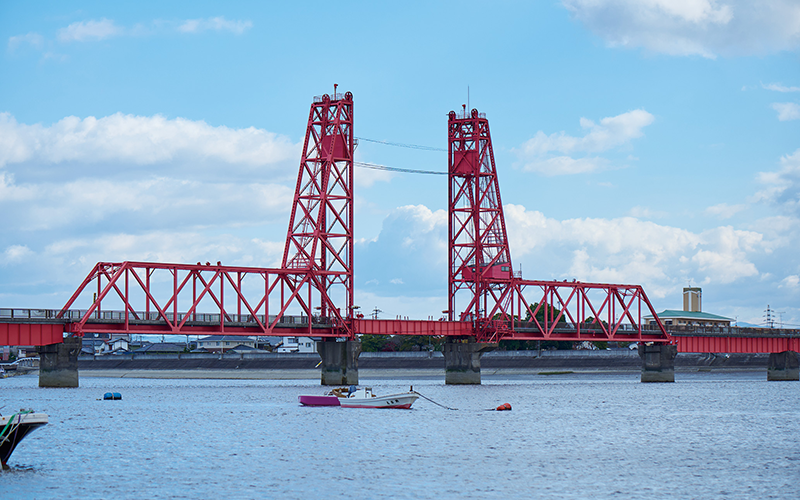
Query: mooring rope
[(432, 401)]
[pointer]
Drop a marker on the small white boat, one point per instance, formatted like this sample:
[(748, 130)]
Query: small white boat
[(364, 398)]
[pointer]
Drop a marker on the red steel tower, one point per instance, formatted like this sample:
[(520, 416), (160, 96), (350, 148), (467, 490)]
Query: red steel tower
[(480, 260), (320, 236)]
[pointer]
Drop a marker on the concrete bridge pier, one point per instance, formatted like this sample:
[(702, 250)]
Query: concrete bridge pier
[(658, 362), (783, 366), (339, 361), (462, 361), (58, 363)]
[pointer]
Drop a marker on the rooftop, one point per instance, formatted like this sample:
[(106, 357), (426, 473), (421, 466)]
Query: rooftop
[(679, 314)]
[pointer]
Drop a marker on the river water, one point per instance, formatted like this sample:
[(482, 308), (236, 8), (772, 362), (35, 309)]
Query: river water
[(709, 435)]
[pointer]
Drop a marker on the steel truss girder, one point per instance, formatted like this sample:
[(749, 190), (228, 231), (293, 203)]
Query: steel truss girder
[(164, 298), (573, 311)]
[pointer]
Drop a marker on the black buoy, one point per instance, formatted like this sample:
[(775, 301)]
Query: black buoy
[(112, 396)]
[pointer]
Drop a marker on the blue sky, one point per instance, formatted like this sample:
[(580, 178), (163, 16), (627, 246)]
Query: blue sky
[(649, 142)]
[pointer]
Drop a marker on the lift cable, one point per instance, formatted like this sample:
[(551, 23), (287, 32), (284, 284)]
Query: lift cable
[(375, 166), (401, 145)]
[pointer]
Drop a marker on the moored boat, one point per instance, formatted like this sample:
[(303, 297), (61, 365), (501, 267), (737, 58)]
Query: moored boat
[(330, 398), (365, 398), (312, 400), (14, 428)]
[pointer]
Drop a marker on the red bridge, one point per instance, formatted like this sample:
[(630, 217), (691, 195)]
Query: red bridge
[(312, 292)]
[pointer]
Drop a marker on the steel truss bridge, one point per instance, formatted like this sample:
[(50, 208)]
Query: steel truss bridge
[(312, 293)]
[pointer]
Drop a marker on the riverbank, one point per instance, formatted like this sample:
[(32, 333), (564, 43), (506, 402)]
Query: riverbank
[(269, 366)]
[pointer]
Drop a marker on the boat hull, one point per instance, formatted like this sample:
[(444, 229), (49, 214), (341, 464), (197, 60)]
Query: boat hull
[(15, 428), (311, 400), (400, 401)]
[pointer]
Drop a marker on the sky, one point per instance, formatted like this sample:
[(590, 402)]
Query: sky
[(651, 142)]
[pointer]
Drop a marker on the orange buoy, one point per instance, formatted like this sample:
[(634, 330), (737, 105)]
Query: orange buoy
[(504, 407)]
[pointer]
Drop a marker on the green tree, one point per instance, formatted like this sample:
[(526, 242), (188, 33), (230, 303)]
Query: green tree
[(373, 343), (421, 342)]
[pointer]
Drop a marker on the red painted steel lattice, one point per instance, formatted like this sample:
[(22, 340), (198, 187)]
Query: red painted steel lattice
[(176, 299), (316, 274), (317, 270), (320, 236), (499, 302), (480, 260)]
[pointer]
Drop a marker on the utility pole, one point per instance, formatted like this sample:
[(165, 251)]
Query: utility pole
[(375, 312)]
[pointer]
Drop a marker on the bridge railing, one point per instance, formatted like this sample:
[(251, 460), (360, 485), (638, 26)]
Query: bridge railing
[(36, 314), (142, 316)]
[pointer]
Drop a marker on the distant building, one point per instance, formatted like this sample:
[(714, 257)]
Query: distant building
[(691, 315), (223, 343), (118, 345), (298, 344)]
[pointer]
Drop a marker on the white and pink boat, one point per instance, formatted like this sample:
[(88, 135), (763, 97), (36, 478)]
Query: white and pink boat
[(360, 398), (364, 398)]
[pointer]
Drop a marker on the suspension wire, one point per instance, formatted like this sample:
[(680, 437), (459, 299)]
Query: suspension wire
[(401, 145), (375, 166)]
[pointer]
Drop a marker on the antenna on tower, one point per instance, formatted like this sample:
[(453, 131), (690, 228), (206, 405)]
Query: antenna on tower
[(769, 316)]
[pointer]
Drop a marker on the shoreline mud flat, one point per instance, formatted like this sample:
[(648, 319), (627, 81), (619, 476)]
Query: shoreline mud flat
[(398, 365), (363, 374)]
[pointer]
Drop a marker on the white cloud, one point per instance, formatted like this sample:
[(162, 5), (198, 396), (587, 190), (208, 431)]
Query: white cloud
[(783, 186), (780, 88), (787, 111), (139, 140), (214, 24), (725, 211), (160, 201), (33, 39), (565, 165), (693, 27), (611, 132), (792, 282), (15, 254), (646, 213), (629, 250), (83, 31), (366, 177), (411, 250)]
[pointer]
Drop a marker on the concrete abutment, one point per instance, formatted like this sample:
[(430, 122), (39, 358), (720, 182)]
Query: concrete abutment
[(658, 362), (783, 366), (462, 361), (58, 363), (339, 361)]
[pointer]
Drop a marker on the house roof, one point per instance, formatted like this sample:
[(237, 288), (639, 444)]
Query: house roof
[(690, 315)]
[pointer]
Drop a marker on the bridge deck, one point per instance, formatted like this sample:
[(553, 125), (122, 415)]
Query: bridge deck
[(44, 326)]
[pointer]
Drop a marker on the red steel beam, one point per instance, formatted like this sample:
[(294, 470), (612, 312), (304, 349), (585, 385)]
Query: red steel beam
[(412, 327), (738, 344), (31, 333)]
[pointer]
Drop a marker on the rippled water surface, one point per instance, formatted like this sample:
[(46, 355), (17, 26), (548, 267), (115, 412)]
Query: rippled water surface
[(708, 435)]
